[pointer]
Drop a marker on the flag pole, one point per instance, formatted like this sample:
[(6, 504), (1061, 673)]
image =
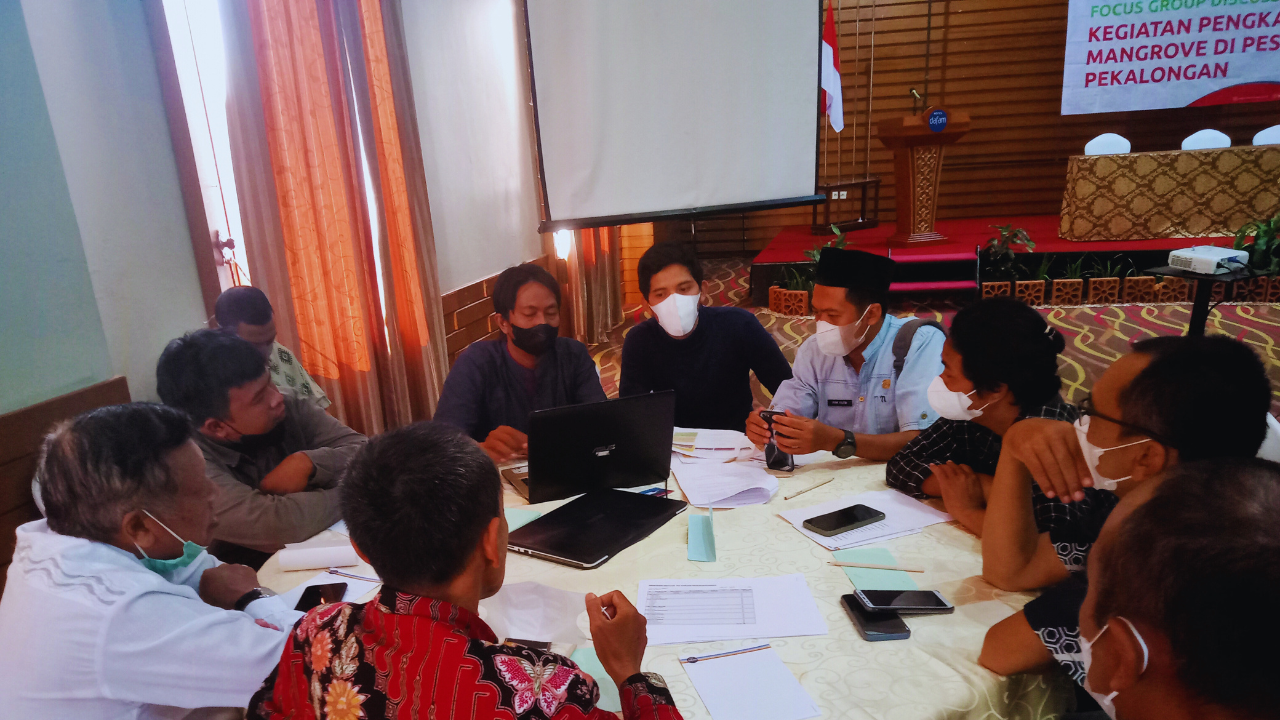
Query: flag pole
[(836, 50)]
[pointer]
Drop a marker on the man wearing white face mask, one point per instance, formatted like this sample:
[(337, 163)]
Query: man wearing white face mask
[(1156, 639), (706, 354), (859, 387), (1172, 400), (112, 609)]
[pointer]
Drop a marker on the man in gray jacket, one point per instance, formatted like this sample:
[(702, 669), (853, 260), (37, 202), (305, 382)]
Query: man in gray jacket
[(276, 458)]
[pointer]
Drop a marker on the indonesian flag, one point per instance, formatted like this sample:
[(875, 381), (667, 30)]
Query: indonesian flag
[(832, 100)]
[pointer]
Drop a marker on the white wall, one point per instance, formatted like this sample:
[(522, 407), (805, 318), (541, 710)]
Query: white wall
[(51, 339), (102, 90), (467, 62)]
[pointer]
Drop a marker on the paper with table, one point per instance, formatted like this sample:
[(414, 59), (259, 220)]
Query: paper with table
[(748, 684), (725, 485), (903, 515), (682, 611)]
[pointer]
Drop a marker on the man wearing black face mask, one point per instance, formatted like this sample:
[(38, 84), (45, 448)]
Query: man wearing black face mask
[(275, 457), (495, 384)]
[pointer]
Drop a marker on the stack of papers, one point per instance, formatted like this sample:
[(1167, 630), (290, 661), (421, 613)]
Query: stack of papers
[(681, 611), (902, 516), (725, 485), (748, 684), (319, 552), (710, 445)]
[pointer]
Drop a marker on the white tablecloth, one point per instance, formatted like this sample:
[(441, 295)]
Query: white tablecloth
[(934, 674)]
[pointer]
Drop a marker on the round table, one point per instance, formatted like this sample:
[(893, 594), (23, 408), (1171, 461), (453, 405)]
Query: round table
[(933, 674)]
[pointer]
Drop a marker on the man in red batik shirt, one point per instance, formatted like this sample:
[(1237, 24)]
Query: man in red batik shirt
[(424, 508)]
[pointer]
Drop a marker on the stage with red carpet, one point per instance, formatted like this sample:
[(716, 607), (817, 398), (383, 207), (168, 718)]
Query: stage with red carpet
[(953, 265)]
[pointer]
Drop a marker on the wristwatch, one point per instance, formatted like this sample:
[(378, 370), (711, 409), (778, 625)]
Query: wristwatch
[(848, 447), (255, 594)]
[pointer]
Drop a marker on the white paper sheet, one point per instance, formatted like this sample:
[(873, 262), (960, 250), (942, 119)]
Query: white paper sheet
[(726, 485), (680, 611), (314, 558), (356, 589), (752, 685), (902, 516), (533, 611), (340, 527)]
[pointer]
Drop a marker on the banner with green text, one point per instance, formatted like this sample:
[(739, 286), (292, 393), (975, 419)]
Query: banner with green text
[(1149, 54)]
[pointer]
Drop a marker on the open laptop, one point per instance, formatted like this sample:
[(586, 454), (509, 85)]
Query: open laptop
[(611, 444)]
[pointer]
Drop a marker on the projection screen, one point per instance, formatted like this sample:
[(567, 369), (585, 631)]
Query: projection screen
[(651, 109)]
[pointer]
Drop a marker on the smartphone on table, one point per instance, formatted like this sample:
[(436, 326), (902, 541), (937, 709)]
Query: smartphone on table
[(775, 459), (874, 626), (318, 595), (843, 520), (913, 602)]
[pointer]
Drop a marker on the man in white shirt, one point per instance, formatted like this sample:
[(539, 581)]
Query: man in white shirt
[(112, 609)]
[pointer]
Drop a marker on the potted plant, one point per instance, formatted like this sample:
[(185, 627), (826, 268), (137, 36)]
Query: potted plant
[(1104, 281), (1069, 289), (1258, 238), (1033, 292), (999, 267)]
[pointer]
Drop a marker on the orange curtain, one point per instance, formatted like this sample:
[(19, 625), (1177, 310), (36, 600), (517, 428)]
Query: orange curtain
[(334, 306), (411, 357)]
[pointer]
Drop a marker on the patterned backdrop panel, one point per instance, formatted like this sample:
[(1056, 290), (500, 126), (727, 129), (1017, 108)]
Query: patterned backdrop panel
[(1177, 193), (1095, 336)]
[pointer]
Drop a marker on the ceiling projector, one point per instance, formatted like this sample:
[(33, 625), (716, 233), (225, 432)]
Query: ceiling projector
[(1208, 260)]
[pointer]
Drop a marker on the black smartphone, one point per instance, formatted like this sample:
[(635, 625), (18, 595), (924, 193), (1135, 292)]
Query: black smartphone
[(913, 602), (318, 595), (874, 626), (843, 520), (775, 459)]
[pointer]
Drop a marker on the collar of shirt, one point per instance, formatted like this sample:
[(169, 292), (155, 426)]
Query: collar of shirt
[(395, 602), (877, 343)]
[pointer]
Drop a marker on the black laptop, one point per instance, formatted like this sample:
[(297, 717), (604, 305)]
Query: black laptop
[(592, 449), (611, 444), (591, 529)]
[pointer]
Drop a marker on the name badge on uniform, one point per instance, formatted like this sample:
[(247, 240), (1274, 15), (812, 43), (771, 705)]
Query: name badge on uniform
[(839, 403)]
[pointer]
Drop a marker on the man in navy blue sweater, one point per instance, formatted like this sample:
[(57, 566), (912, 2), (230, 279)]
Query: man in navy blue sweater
[(705, 354)]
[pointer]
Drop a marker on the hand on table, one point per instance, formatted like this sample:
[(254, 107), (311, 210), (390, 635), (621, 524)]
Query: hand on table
[(223, 585), (620, 637), (801, 435), (758, 431), (1051, 453), (505, 443), (292, 475)]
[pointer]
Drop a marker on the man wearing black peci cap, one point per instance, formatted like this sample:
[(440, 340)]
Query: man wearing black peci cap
[(860, 383)]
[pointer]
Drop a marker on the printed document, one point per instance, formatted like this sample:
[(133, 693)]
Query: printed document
[(683, 611), (725, 485), (749, 684)]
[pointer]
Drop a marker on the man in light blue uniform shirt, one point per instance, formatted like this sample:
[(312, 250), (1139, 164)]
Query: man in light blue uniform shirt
[(846, 395)]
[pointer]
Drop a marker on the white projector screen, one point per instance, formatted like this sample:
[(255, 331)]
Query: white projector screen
[(666, 108)]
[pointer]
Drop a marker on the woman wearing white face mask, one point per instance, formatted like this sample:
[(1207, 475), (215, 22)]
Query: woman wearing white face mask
[(1000, 365), (1156, 642)]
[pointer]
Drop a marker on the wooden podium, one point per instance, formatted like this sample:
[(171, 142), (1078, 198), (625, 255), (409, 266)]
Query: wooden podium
[(917, 142)]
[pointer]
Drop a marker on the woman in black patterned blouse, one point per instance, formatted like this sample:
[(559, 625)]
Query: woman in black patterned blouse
[(1000, 366)]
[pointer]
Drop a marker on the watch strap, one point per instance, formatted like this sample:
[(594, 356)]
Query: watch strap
[(255, 594)]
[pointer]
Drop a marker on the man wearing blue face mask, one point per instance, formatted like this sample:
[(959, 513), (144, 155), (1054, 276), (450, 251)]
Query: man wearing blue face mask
[(859, 385), (1157, 641), (495, 384), (111, 607), (1172, 400)]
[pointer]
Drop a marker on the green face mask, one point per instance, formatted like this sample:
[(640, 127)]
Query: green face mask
[(190, 551)]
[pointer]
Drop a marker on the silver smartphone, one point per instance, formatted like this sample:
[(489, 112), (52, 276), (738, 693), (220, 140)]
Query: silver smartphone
[(912, 602)]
